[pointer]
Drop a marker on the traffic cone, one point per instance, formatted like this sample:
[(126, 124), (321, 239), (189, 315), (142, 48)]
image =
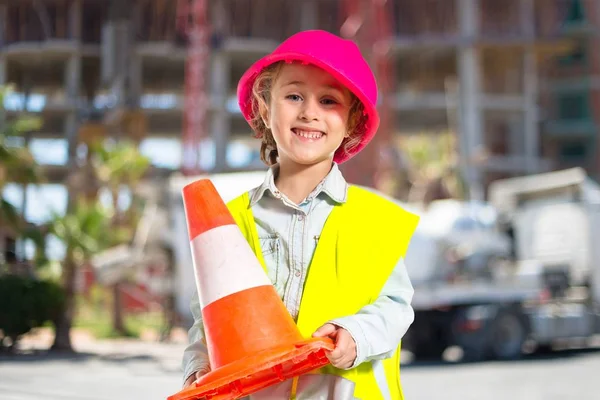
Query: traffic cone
[(252, 340)]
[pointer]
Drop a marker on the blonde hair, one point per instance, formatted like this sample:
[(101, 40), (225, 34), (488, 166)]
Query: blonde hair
[(261, 98)]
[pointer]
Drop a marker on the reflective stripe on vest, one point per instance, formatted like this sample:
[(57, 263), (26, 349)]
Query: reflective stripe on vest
[(381, 379)]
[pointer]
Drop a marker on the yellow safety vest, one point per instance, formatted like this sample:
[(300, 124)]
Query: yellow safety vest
[(359, 247)]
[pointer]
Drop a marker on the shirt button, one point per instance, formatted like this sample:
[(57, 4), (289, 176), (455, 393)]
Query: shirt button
[(298, 274), (300, 217)]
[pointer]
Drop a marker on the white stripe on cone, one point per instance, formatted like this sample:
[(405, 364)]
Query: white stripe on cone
[(224, 264)]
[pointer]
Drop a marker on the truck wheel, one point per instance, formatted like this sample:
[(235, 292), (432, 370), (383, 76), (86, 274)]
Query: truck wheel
[(431, 351), (507, 335), (424, 345), (473, 353)]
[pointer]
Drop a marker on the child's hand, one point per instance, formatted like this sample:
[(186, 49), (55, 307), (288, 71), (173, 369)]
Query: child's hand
[(194, 377), (189, 381), (344, 354)]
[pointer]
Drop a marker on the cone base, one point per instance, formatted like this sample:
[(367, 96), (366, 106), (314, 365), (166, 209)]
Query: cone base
[(251, 374)]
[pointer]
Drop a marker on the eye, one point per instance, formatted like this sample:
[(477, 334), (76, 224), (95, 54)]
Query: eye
[(293, 97), (329, 101)]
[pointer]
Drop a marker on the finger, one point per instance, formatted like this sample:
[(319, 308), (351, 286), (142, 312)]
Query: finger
[(334, 359), (335, 355), (326, 330), (342, 346), (345, 343), (343, 339), (190, 380), (343, 362)]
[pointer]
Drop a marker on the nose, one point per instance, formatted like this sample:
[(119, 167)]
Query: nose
[(310, 110)]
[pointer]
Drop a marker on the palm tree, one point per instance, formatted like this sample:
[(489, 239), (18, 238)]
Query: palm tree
[(118, 166), (84, 231)]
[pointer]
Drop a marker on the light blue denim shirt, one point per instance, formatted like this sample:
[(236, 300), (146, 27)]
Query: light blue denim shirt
[(288, 235)]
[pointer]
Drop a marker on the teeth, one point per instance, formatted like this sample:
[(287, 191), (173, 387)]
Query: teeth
[(309, 134)]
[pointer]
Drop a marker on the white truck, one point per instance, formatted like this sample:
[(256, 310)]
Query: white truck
[(526, 269)]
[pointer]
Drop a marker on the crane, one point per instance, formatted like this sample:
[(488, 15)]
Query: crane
[(192, 21)]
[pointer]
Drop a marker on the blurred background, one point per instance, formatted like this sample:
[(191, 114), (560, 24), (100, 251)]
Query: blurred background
[(490, 131)]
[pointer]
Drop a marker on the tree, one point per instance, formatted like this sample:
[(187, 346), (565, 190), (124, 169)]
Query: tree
[(83, 231), (433, 167), (117, 166), (17, 165), (26, 303)]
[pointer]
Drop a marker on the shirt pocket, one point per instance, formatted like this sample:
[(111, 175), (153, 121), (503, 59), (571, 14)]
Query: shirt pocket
[(270, 246)]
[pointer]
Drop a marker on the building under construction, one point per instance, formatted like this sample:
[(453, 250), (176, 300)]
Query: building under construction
[(518, 81)]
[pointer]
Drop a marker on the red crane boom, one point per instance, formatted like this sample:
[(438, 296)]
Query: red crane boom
[(192, 21)]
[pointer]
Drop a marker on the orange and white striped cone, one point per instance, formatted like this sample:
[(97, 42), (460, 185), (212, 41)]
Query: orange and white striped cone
[(252, 340)]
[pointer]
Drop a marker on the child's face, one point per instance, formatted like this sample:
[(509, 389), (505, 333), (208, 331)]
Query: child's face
[(308, 114)]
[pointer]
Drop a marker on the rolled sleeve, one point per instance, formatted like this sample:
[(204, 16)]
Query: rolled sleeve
[(195, 355), (378, 328)]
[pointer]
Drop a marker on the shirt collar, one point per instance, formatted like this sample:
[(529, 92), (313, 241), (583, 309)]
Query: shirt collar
[(334, 185)]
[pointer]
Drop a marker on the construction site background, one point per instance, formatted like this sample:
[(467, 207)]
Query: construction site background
[(512, 86)]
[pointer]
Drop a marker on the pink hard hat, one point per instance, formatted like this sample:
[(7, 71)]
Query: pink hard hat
[(339, 57)]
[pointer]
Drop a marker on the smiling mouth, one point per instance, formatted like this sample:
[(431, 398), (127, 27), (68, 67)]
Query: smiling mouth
[(314, 135)]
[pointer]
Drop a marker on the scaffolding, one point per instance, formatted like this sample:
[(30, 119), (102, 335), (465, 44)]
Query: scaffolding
[(494, 50)]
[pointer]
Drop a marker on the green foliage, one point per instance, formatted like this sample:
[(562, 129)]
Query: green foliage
[(94, 314), (119, 164), (430, 155), (9, 214), (116, 165), (17, 163), (434, 157), (26, 303), (38, 238), (84, 231), (100, 324)]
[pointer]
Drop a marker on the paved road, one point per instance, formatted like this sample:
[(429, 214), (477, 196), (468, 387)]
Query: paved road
[(560, 376), (132, 371), (101, 371)]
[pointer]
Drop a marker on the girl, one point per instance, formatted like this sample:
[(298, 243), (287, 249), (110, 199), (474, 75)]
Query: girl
[(333, 251)]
